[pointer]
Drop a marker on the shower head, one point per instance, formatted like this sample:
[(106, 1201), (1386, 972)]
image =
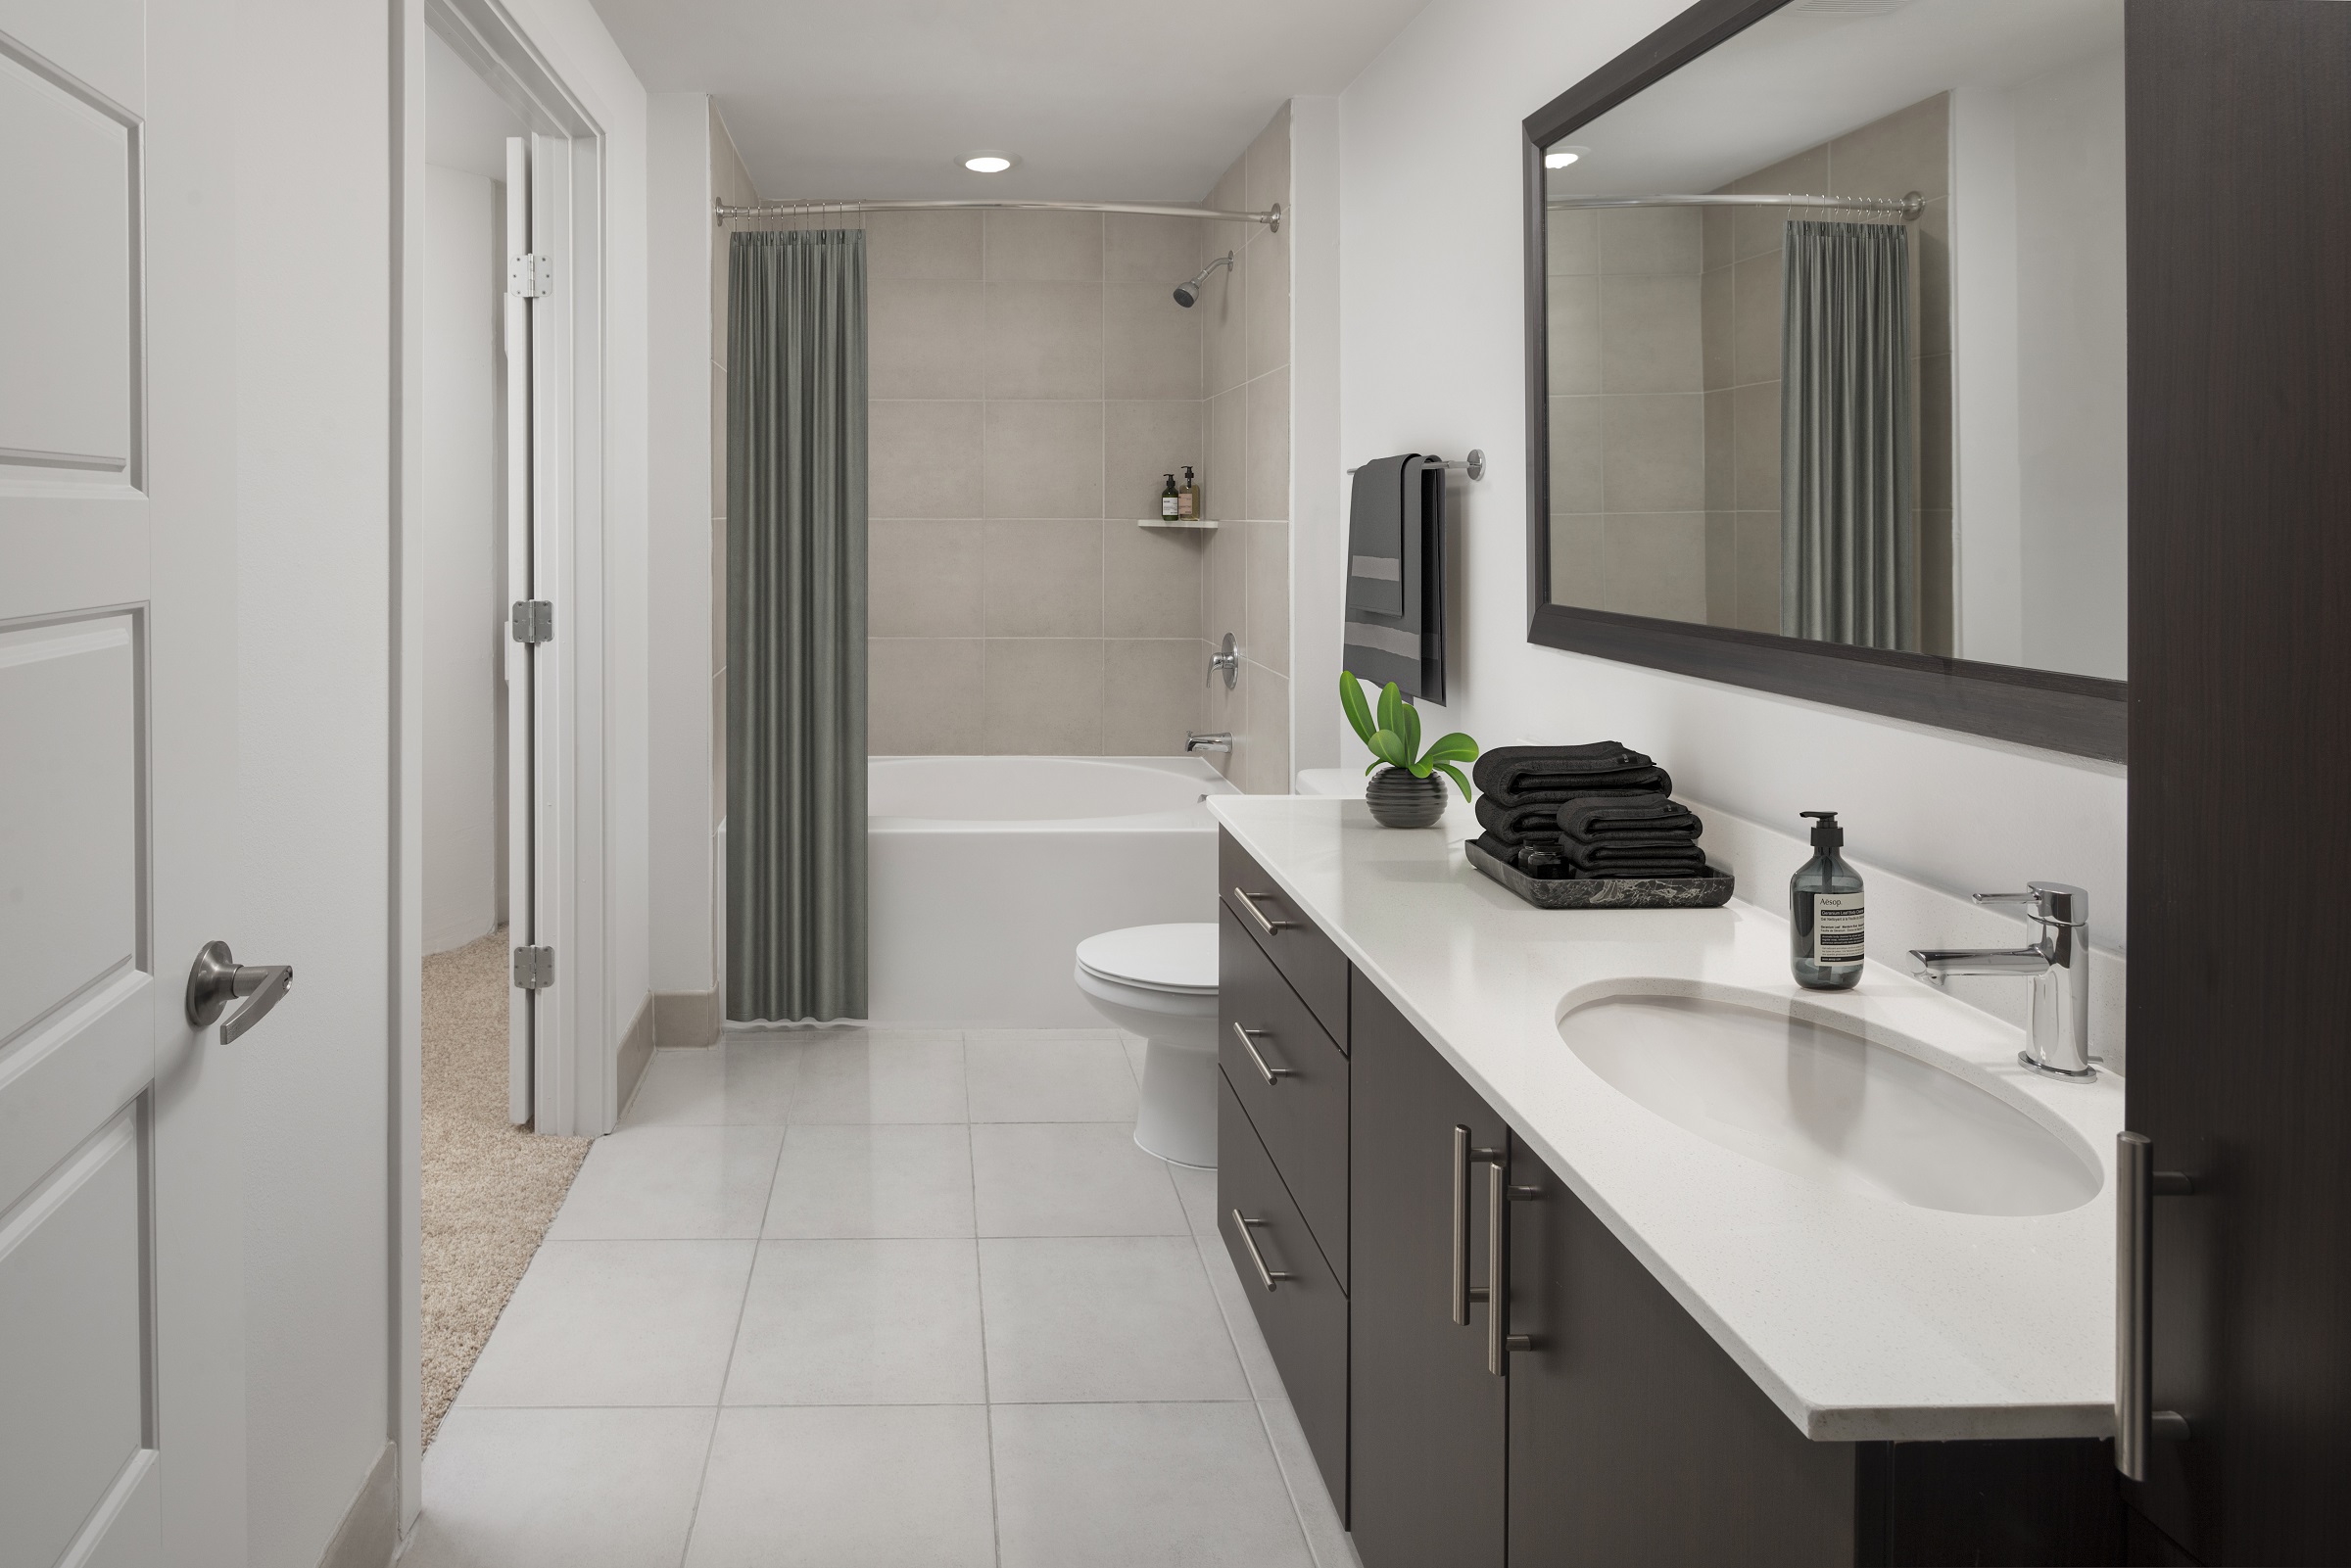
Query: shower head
[(1187, 295)]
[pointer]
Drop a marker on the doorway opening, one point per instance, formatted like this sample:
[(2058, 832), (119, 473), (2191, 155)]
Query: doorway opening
[(490, 1183)]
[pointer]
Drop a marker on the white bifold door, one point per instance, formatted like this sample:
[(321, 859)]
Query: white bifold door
[(122, 1372)]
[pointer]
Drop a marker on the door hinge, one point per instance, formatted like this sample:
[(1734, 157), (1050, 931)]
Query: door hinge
[(531, 276), (533, 620), (534, 967)]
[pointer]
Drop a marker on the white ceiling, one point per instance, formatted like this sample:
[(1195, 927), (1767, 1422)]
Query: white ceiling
[(1119, 101), (1816, 71)]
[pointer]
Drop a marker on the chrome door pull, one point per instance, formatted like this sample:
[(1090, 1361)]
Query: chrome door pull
[(1463, 1156), (1500, 1342), (2137, 1184), (1241, 1033), (216, 978), (1268, 926), (1270, 1275)]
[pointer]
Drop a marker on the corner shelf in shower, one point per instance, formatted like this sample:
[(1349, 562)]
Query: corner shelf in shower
[(1173, 523)]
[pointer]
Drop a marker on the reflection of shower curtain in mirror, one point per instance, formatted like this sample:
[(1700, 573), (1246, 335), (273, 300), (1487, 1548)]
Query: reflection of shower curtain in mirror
[(795, 626), (1848, 524)]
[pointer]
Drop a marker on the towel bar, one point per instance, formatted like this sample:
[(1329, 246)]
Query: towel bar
[(1475, 465)]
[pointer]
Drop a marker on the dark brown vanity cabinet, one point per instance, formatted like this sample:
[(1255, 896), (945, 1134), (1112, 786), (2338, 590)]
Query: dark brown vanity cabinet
[(1357, 1190)]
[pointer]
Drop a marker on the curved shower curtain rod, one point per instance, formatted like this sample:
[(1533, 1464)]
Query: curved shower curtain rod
[(1909, 207), (722, 211)]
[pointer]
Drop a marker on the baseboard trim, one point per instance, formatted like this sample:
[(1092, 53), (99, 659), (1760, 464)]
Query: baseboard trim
[(636, 1051), (369, 1535), (684, 1019)]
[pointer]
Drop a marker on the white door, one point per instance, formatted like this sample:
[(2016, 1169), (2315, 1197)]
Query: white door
[(122, 1377), (522, 277)]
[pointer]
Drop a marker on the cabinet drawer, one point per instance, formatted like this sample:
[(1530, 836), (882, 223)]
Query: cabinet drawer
[(1315, 967), (1300, 1111), (1304, 1315)]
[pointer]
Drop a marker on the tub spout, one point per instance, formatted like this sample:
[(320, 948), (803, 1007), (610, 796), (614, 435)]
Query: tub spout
[(1215, 740)]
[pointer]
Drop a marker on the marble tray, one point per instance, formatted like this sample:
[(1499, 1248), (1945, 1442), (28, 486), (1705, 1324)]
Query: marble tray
[(1606, 892)]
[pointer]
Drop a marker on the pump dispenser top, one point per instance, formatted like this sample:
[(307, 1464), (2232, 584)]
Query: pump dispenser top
[(1825, 834)]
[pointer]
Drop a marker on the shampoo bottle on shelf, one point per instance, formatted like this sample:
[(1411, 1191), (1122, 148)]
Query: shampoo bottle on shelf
[(1189, 498), (1170, 505), (1824, 913)]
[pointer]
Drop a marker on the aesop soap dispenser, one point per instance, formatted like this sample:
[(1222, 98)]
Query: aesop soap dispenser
[(1824, 913)]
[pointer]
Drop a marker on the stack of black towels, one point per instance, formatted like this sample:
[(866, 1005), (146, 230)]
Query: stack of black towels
[(1597, 810)]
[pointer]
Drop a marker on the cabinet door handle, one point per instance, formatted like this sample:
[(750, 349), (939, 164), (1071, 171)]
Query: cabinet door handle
[(1500, 1341), (2137, 1184), (1463, 1156), (1270, 1275), (1242, 1034), (1268, 926)]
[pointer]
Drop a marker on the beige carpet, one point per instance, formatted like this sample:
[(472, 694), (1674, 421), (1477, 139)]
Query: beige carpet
[(490, 1189)]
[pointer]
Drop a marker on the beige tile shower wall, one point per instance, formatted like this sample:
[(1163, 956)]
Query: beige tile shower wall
[(1032, 379), (1627, 410), (1247, 382), (1907, 151)]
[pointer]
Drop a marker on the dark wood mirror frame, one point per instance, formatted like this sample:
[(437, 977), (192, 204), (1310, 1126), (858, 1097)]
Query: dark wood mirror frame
[(2072, 713)]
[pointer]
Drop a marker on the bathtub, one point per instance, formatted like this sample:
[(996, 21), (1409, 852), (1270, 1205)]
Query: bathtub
[(985, 873)]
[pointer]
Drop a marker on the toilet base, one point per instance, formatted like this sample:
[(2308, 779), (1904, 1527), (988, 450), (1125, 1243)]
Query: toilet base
[(1178, 1120)]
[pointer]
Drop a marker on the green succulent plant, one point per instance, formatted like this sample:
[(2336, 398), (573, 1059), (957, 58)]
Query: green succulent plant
[(1395, 736)]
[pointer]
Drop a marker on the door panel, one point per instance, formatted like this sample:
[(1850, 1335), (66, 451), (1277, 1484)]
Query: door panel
[(1426, 1420), (73, 1365), (2240, 155), (121, 1337), (69, 302), (521, 906)]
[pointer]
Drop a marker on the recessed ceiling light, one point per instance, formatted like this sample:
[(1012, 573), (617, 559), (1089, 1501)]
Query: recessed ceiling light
[(1562, 157), (990, 162)]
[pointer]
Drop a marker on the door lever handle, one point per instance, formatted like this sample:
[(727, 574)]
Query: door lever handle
[(217, 978)]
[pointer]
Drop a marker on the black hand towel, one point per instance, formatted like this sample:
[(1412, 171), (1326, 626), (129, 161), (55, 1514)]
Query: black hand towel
[(1509, 769), (1628, 819), (1520, 826), (1634, 860), (1608, 769), (1506, 853)]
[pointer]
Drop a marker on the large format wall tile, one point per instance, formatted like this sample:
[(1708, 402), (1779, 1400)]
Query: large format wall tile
[(923, 696), (1044, 246), (1044, 340), (923, 339), (923, 459), (1149, 686), (1043, 696), (1151, 345), (1044, 459), (923, 578), (1151, 581), (923, 245), (1044, 578), (1145, 442), (1653, 453)]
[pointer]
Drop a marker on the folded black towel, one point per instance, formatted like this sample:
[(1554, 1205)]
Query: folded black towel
[(1520, 774), (1634, 860), (1508, 854), (1626, 819), (1520, 826)]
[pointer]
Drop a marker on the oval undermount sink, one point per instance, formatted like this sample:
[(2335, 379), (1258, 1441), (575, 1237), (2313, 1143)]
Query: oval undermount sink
[(1819, 1102)]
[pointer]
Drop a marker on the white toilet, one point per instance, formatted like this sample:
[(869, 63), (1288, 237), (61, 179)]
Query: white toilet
[(1160, 981)]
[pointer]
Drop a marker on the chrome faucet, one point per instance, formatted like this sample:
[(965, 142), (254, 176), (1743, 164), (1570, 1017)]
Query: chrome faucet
[(1214, 741), (2057, 1040)]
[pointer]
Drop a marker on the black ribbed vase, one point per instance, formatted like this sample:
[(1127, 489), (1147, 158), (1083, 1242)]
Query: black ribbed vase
[(1399, 801)]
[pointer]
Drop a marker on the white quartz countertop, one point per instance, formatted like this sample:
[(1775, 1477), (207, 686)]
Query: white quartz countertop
[(1862, 1318)]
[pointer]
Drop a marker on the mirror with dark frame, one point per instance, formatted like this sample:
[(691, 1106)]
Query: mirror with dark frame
[(1826, 311)]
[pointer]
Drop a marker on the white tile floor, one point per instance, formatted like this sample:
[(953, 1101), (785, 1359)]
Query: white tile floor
[(872, 1297)]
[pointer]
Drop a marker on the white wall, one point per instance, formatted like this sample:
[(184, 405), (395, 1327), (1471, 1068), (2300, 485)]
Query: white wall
[(311, 383), (1432, 359), (465, 557), (680, 236)]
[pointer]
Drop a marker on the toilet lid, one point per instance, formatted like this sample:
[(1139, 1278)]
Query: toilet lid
[(1158, 958)]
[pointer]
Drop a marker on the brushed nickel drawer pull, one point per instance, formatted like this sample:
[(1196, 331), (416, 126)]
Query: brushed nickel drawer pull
[(1243, 1034), (1464, 1156), (1268, 926), (1500, 1341), (2137, 1423), (1269, 1275)]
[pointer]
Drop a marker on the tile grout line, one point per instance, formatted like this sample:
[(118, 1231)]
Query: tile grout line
[(742, 1310), (987, 1393)]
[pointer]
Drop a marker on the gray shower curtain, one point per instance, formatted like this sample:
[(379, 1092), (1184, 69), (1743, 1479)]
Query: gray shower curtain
[(795, 626), (1848, 526)]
